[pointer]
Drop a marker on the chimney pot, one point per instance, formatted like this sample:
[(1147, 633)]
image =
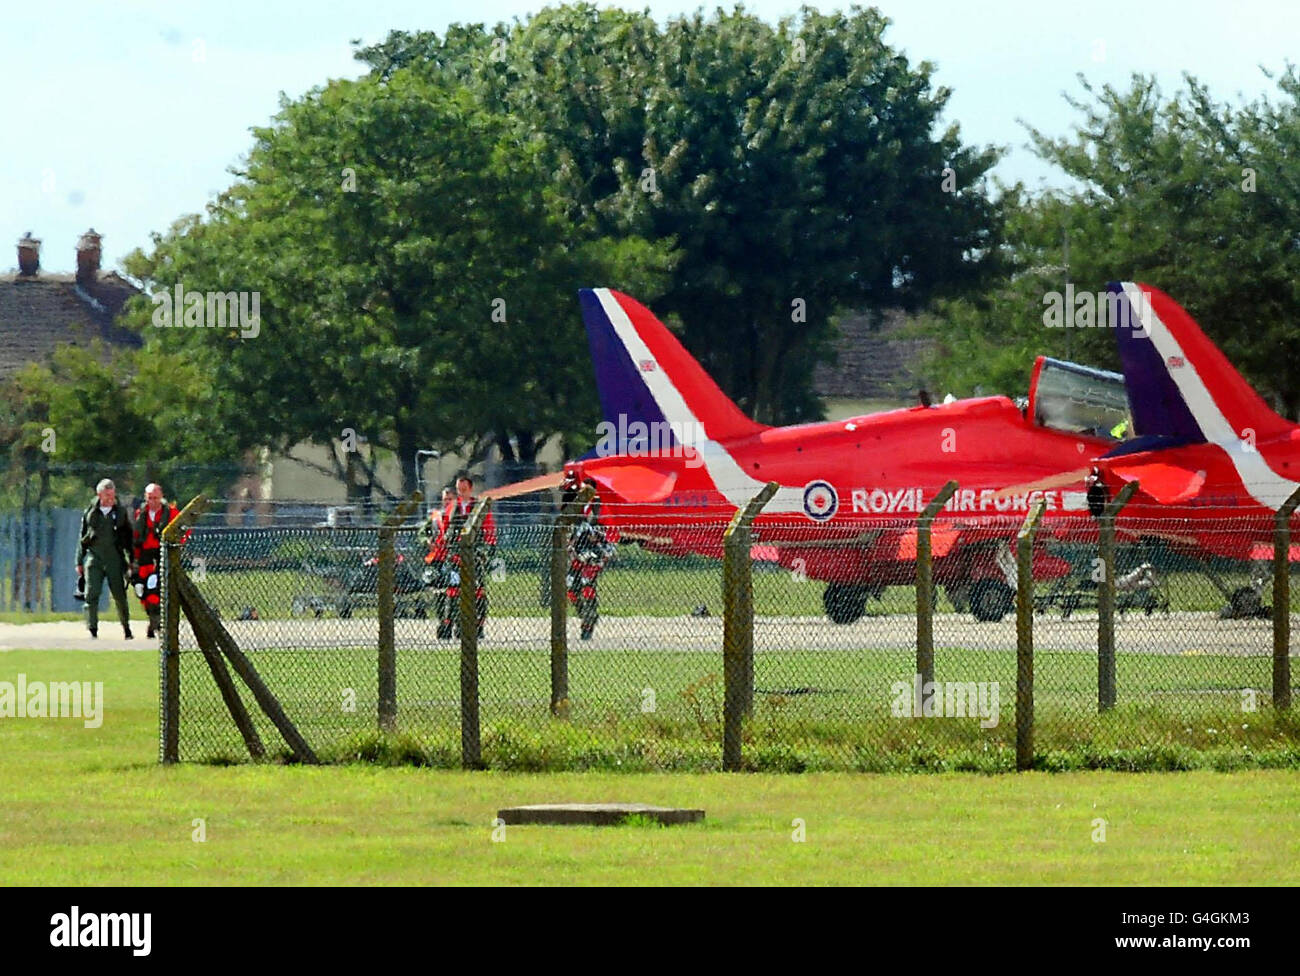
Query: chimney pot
[(29, 255), (88, 253)]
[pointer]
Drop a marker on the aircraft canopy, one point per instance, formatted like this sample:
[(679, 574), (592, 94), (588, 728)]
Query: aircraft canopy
[(1079, 400)]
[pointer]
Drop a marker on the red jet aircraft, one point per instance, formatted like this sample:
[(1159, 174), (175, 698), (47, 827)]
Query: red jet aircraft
[(1213, 462), (676, 455)]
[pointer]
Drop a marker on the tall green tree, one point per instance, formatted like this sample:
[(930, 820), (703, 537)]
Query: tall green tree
[(795, 168), (415, 278)]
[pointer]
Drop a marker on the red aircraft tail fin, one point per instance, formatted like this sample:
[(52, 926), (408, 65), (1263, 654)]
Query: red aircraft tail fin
[(649, 385), (1179, 384)]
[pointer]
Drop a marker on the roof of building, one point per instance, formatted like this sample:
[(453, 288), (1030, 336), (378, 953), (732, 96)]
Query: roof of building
[(874, 359), (41, 311)]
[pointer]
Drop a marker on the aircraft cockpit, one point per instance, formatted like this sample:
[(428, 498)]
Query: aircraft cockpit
[(1079, 400)]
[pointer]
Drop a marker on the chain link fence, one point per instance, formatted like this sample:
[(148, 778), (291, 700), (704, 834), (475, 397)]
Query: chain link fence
[(39, 544), (801, 651), (1191, 678)]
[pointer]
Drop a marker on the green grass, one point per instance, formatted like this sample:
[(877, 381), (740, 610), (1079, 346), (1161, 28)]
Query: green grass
[(92, 807), (637, 583), (844, 723), (814, 710), (656, 586), (657, 593)]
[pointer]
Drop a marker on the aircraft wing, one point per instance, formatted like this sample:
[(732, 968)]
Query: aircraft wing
[(626, 482), (1167, 483), (635, 482), (540, 483)]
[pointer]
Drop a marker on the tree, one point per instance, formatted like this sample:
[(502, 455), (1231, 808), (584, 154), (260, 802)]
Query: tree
[(88, 413), (795, 169), (1198, 198), (415, 279)]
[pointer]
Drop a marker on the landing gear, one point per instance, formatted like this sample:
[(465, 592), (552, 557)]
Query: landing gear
[(991, 599), (845, 602), (1246, 602), (410, 608)]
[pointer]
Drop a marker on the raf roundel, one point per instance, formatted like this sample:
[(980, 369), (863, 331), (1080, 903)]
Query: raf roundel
[(820, 502)]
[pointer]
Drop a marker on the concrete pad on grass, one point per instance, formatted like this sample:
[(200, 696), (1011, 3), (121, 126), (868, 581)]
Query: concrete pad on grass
[(596, 814)]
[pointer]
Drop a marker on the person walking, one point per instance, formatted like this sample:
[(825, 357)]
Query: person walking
[(589, 552), (150, 520), (457, 514), (435, 559), (107, 540)]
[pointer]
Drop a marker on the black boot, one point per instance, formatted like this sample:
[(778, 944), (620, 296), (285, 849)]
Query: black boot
[(126, 632), (94, 631)]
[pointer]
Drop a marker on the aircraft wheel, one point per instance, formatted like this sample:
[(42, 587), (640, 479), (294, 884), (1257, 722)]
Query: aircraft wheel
[(991, 599), (958, 595), (844, 603), (1243, 603)]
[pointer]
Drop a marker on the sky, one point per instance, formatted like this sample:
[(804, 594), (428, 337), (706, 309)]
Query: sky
[(125, 116)]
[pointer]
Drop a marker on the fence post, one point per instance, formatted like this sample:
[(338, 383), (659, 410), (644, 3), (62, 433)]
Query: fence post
[(559, 601), (22, 562), (170, 651), (206, 622), (36, 565), (471, 747), (1106, 695), (386, 583), (18, 572), (7, 538), (23, 576), (1282, 602), (738, 625), (210, 646), (48, 560), (925, 584), (1025, 637), (171, 627)]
